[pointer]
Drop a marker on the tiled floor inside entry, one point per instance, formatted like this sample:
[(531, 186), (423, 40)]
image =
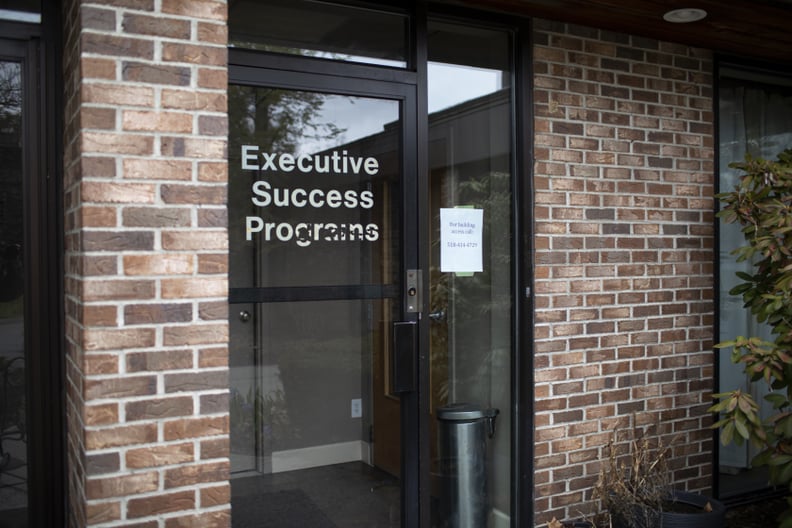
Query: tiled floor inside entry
[(351, 495)]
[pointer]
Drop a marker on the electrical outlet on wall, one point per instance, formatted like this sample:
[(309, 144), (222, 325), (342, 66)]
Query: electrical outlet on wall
[(357, 408)]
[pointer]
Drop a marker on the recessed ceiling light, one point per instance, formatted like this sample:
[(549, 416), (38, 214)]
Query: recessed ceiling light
[(684, 16)]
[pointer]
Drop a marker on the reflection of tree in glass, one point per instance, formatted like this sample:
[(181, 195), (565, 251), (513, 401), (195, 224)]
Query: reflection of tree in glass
[(491, 192), (10, 189), (10, 97), (479, 300), (277, 120)]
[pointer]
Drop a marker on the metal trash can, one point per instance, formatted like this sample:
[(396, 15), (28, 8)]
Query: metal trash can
[(463, 429)]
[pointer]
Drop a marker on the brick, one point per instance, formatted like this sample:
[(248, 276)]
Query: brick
[(210, 311), (213, 217), (160, 504), (215, 448), (197, 474), (92, 216), (199, 9), (213, 357), (212, 519), (214, 403), (206, 101), (159, 360), (213, 125), (107, 192), (102, 463), (115, 241), (156, 217), (158, 264), (103, 512), (211, 33), (98, 167), (197, 381), (199, 148), (150, 121), (120, 486), (213, 263), (107, 143), (114, 339), (195, 428), (117, 290), (115, 46), (99, 118), (100, 315), (215, 496), (194, 288), (158, 26), (100, 265), (212, 79), (156, 169), (160, 455), (120, 436), (157, 409), (97, 364), (149, 314), (98, 68), (212, 172), (117, 95), (193, 194), (98, 19), (194, 54), (120, 387), (103, 414)]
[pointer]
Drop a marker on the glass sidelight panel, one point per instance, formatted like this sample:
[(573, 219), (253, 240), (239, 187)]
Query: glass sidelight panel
[(13, 435), (470, 170), (314, 223)]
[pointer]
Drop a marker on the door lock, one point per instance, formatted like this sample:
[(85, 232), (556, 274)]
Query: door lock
[(412, 291), (244, 316)]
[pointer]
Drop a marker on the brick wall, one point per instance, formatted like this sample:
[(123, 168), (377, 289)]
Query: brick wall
[(624, 255), (146, 262)]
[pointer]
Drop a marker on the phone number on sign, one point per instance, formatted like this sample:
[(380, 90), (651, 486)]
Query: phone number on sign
[(462, 244)]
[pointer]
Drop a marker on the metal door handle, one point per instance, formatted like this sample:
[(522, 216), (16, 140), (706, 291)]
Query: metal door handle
[(405, 348), (438, 315)]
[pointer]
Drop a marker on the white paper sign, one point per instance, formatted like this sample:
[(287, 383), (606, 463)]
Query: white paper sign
[(460, 240)]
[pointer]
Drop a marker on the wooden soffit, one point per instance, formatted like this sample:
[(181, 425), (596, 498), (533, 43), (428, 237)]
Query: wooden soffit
[(752, 29)]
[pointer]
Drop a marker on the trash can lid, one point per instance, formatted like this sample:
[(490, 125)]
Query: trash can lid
[(463, 412)]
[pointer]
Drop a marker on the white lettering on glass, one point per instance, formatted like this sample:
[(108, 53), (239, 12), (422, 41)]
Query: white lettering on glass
[(335, 162), (265, 195)]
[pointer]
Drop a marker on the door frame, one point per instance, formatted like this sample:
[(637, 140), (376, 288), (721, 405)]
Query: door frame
[(301, 73), (416, 479), (37, 46)]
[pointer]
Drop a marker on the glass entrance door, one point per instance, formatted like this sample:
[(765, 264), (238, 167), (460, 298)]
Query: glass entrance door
[(372, 278), (317, 262)]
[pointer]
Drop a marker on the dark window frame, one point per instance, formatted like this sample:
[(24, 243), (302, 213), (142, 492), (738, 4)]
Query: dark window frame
[(43, 254)]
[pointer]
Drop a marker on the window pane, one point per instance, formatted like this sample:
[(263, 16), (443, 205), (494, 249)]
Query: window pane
[(314, 213), (318, 29), (756, 118), (13, 445), (470, 175)]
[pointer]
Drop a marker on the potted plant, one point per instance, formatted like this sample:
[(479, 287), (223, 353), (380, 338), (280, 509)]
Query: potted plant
[(635, 487), (762, 204)]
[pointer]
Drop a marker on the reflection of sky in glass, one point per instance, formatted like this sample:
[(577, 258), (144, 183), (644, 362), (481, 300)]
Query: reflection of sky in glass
[(358, 58), (450, 84), (361, 117), (358, 117)]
